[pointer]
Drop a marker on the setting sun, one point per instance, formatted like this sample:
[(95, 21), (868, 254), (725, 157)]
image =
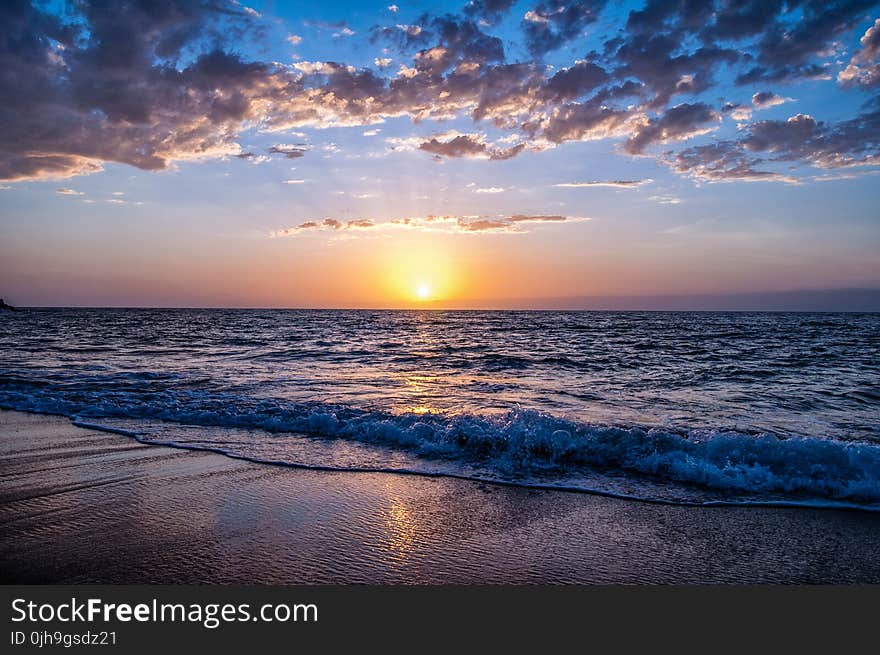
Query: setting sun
[(423, 292)]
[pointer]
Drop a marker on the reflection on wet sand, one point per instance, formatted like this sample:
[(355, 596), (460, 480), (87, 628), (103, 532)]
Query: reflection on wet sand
[(401, 529), (83, 506)]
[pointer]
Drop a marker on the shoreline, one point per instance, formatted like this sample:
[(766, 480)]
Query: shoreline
[(81, 505), (534, 486)]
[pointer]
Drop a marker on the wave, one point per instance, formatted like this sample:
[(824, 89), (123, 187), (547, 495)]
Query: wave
[(518, 447)]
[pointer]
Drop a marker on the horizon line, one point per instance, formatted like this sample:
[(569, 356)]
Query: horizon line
[(849, 300)]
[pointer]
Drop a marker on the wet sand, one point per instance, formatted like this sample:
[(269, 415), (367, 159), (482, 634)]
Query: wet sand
[(82, 506)]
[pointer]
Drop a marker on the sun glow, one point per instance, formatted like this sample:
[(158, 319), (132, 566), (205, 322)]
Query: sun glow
[(418, 274)]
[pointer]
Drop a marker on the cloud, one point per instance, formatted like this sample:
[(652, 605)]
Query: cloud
[(525, 218), (781, 136), (792, 35), (864, 66), (64, 191), (95, 93), (665, 200), (553, 23), (800, 138), (294, 39), (615, 184), (410, 30), (765, 99), (463, 145), (736, 111), (289, 151), (760, 100), (468, 145), (252, 157), (491, 189), (677, 124), (489, 11), (658, 61), (103, 83), (294, 181), (586, 121), (575, 81), (248, 10), (721, 162), (659, 15), (513, 224), (120, 201)]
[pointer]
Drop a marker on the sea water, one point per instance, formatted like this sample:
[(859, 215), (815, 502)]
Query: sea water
[(705, 408)]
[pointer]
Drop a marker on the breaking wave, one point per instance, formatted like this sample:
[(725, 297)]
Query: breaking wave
[(519, 447)]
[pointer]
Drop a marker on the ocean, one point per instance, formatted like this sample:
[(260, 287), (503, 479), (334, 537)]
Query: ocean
[(690, 408)]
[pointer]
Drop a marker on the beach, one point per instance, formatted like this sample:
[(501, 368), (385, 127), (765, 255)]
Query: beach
[(84, 506)]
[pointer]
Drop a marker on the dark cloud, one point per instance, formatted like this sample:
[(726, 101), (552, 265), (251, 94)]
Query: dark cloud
[(463, 40), (736, 111), (740, 19), (673, 15), (864, 67), (459, 146), (764, 99), (573, 82), (719, 162), (657, 61), (853, 142), (781, 74), (553, 23), (681, 122), (466, 145), (782, 136), (289, 151), (443, 42), (819, 23), (504, 93), (801, 138), (784, 37), (403, 37), (584, 121), (491, 11), (787, 45), (111, 86)]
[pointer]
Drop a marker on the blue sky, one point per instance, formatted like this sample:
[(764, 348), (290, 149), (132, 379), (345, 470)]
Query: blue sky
[(343, 154)]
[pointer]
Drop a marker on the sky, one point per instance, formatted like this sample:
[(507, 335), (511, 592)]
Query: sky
[(498, 154)]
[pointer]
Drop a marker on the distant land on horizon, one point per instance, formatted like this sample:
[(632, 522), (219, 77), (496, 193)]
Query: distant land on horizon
[(824, 300)]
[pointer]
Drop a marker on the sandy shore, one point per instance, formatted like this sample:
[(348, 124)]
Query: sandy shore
[(82, 506)]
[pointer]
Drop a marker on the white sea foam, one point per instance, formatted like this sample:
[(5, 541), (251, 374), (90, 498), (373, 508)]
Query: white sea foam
[(518, 447)]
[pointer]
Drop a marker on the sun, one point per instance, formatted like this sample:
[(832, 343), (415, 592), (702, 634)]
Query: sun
[(423, 291)]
